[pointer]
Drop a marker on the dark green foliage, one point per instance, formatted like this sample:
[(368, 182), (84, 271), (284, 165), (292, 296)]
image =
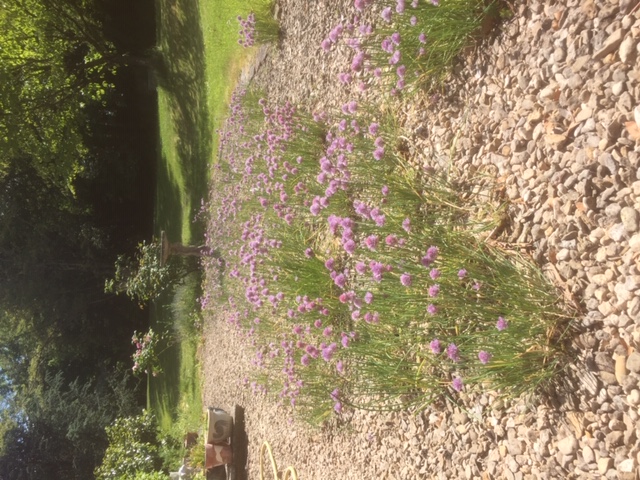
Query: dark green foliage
[(143, 277), (75, 191), (133, 447), (62, 435)]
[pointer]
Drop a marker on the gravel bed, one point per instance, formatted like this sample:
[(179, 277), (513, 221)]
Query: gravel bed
[(546, 110)]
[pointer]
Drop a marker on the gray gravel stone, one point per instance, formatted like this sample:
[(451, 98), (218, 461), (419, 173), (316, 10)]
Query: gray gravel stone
[(633, 362), (629, 218)]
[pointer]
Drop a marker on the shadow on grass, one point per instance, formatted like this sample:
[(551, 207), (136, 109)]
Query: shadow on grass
[(164, 390), (182, 76), (176, 391)]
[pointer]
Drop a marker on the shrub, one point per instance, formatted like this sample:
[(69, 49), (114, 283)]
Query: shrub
[(133, 448)]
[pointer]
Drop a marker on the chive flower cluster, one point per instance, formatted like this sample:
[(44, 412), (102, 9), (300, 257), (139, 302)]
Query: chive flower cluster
[(247, 30)]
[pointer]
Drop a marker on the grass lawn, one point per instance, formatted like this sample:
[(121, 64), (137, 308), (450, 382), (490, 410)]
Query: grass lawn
[(202, 60)]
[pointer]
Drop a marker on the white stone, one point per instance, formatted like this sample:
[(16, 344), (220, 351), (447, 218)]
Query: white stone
[(627, 50), (617, 88), (627, 465), (634, 397), (588, 455), (617, 232), (604, 463), (568, 445), (622, 293)]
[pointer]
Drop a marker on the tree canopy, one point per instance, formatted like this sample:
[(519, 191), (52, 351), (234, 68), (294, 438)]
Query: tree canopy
[(77, 159), (55, 60)]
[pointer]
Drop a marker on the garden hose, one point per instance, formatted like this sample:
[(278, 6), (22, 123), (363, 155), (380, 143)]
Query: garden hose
[(289, 473)]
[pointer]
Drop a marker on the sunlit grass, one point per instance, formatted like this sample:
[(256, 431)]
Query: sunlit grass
[(225, 58)]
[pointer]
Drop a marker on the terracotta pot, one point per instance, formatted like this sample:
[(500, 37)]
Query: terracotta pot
[(216, 454)]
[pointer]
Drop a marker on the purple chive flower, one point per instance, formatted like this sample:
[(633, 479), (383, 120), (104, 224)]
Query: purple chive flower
[(414, 3), (476, 286), (368, 297), (328, 351), (484, 357), (370, 317), (432, 309), (371, 242), (338, 407), (432, 253), (406, 225), (347, 222), (434, 290), (501, 324), (405, 279), (401, 71), (434, 273), (329, 263), (395, 58), (361, 268), (317, 323), (326, 44), (457, 384), (308, 253), (340, 366), (385, 190), (373, 128), (315, 209), (435, 346), (378, 153), (391, 240), (395, 38), (413, 21), (400, 5), (345, 341), (387, 45), (340, 280), (377, 269), (344, 77), (453, 352), (305, 360), (462, 273), (359, 4), (349, 246), (422, 38), (386, 14)]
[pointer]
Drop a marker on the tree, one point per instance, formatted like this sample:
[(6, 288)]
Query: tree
[(144, 277), (133, 447), (61, 434), (54, 61)]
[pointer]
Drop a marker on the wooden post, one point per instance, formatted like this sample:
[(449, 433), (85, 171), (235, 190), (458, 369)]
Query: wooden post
[(176, 248)]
